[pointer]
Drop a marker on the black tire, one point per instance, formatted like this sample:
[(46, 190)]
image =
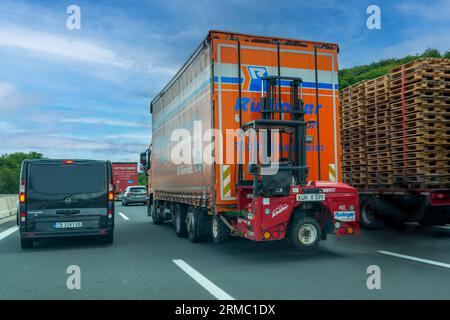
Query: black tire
[(108, 239), (26, 244), (193, 217), (369, 210), (305, 233), (156, 217), (179, 221), (219, 231)]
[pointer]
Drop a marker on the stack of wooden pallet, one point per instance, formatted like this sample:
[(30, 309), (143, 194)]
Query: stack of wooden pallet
[(353, 135), (395, 130), (420, 120), (379, 162)]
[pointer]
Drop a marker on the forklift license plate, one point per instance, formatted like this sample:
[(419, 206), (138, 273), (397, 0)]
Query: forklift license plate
[(311, 197)]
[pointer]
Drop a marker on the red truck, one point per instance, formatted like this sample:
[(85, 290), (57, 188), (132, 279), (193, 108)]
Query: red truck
[(125, 174), (252, 84)]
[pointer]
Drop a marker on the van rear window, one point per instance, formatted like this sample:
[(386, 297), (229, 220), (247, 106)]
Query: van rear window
[(67, 179), (138, 190)]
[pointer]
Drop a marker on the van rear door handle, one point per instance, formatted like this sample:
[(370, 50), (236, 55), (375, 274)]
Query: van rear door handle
[(68, 211)]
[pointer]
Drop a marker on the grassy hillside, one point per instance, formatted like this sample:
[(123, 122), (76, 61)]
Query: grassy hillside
[(350, 76)]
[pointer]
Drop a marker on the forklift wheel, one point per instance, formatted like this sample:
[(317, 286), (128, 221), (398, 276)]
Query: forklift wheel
[(305, 233), (219, 231)]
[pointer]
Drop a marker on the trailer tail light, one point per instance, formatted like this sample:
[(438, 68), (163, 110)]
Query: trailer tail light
[(111, 196), (22, 197), (440, 198), (23, 216), (267, 235), (350, 230), (110, 214)]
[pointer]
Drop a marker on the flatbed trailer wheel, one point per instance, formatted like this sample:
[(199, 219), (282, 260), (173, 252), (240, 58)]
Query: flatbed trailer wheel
[(369, 211), (305, 233), (219, 231), (156, 213), (180, 221)]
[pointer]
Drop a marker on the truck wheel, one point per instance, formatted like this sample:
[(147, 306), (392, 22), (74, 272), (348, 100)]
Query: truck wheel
[(26, 244), (192, 224), (180, 221), (219, 231), (156, 213), (305, 233), (369, 210)]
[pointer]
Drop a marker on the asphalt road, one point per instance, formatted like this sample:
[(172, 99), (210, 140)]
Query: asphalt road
[(148, 261)]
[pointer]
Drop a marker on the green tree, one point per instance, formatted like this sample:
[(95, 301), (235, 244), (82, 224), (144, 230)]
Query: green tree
[(350, 76), (142, 179), (432, 53), (10, 170), (446, 54)]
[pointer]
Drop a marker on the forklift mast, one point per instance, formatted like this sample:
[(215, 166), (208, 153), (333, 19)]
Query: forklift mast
[(288, 120)]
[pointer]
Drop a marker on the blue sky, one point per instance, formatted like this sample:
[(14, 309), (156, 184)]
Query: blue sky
[(85, 93)]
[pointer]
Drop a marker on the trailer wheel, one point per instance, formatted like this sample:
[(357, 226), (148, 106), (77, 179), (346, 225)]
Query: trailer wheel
[(180, 221), (305, 233), (369, 211), (156, 213), (192, 224), (219, 231)]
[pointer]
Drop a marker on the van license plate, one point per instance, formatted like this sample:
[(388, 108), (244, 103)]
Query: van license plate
[(311, 197), (68, 225)]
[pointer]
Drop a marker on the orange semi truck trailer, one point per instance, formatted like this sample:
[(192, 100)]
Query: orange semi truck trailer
[(251, 85)]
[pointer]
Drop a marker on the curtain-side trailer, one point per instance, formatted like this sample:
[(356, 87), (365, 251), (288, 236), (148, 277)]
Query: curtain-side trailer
[(251, 84)]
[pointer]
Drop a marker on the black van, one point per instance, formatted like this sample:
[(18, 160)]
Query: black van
[(65, 198)]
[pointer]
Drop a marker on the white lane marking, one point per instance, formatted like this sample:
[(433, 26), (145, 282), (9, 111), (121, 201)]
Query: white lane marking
[(434, 263), (7, 232), (201, 280), (124, 216), (446, 227)]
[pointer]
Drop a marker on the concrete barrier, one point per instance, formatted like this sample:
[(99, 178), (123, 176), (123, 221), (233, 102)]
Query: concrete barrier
[(8, 207)]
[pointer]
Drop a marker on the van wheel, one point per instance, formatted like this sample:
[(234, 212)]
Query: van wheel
[(192, 224), (26, 244), (369, 211), (180, 221), (108, 239), (305, 233), (219, 231), (156, 213)]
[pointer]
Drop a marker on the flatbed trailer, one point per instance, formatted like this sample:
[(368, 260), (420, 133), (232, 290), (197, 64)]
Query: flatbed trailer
[(252, 84), (422, 206)]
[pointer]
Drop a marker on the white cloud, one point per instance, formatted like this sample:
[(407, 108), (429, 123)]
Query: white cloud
[(53, 44), (439, 40), (103, 121), (11, 98), (435, 11)]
